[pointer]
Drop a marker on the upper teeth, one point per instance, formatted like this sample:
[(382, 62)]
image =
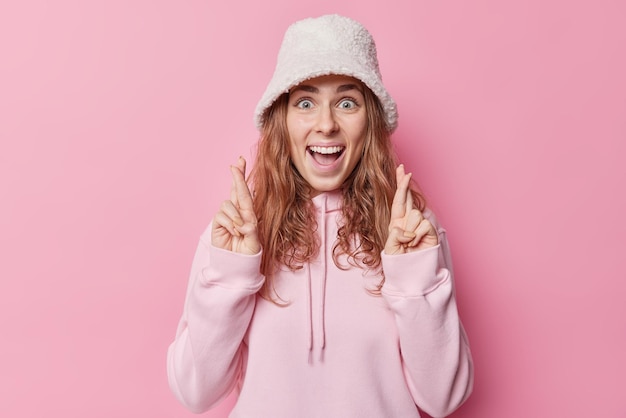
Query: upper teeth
[(326, 150)]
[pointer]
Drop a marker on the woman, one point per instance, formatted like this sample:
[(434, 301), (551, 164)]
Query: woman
[(326, 291)]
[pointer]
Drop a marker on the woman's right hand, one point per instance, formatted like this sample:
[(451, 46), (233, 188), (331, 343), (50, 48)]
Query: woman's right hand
[(235, 225)]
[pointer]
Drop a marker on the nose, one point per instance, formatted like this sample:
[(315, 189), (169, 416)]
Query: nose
[(326, 122)]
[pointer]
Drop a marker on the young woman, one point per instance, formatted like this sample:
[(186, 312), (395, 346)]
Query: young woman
[(326, 289)]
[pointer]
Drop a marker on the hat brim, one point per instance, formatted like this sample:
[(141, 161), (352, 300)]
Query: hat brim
[(294, 71)]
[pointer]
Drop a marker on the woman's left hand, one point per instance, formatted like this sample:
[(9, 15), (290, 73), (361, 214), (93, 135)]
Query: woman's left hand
[(408, 229)]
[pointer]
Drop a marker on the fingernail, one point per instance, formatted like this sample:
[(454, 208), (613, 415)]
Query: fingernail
[(408, 234)]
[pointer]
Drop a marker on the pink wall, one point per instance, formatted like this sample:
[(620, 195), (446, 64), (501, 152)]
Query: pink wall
[(118, 120)]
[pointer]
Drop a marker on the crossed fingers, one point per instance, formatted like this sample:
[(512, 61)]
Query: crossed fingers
[(408, 229), (235, 225)]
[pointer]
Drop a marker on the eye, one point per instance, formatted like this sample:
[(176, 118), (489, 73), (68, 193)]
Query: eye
[(304, 104), (347, 104)]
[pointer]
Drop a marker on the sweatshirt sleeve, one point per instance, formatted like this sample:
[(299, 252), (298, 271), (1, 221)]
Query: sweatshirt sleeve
[(206, 359), (437, 361)]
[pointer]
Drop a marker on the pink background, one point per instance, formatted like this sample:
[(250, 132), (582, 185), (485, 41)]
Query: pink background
[(118, 120)]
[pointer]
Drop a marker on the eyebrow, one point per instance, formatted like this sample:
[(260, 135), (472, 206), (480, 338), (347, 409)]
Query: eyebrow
[(310, 89)]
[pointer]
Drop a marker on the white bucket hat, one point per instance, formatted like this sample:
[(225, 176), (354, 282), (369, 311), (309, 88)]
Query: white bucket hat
[(330, 44)]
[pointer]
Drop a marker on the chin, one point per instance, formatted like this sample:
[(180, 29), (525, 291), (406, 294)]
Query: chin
[(318, 188)]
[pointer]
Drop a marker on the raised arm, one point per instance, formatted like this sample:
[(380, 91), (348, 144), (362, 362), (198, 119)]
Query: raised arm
[(419, 289), (207, 357)]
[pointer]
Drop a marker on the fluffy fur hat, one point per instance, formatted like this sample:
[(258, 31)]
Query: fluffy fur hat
[(330, 44)]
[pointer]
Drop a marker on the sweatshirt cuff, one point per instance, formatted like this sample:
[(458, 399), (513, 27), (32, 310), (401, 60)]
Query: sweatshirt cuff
[(411, 274), (233, 270)]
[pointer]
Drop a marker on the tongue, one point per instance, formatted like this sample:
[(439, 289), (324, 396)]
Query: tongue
[(325, 159)]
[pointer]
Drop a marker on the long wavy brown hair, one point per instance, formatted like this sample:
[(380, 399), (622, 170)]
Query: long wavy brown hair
[(285, 212)]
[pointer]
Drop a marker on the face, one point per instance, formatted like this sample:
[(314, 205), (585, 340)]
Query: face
[(327, 122)]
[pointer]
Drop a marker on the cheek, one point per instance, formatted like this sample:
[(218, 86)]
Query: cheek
[(291, 134), (359, 135), (298, 135), (358, 126), (297, 152), (295, 131), (293, 149), (357, 150)]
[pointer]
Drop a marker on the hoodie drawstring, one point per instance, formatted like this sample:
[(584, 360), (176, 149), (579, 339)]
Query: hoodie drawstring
[(322, 305), (309, 311), (321, 325)]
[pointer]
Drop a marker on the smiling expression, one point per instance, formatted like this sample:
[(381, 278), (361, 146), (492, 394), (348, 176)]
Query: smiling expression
[(327, 124)]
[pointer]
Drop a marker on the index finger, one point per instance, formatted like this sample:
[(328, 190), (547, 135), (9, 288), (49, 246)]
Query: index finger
[(402, 195), (409, 195), (242, 192), (241, 165)]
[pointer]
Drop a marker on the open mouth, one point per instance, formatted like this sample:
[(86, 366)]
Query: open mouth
[(325, 155)]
